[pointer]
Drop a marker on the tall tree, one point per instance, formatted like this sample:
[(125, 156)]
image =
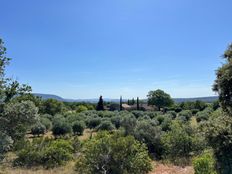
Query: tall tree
[(137, 103), (132, 101), (218, 131), (223, 83), (121, 103), (159, 98), (100, 104), (14, 117), (9, 88)]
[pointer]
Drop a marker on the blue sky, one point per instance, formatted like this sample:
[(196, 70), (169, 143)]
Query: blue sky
[(87, 48)]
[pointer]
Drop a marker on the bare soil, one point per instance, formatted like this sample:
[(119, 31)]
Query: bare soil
[(170, 169)]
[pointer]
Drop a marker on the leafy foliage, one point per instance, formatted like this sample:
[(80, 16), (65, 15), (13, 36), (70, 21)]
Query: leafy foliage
[(18, 117), (113, 154), (223, 83), (159, 98), (100, 104), (78, 127), (218, 133), (52, 107), (61, 127), (204, 164), (181, 143), (38, 129), (81, 108), (151, 136), (47, 153), (5, 144), (106, 125), (129, 123)]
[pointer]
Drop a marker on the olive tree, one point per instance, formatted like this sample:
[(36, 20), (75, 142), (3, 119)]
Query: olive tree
[(17, 118)]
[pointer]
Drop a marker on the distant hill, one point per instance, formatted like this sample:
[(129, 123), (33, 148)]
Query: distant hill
[(204, 99), (49, 96), (177, 100)]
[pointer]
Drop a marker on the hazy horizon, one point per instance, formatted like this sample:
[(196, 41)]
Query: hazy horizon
[(80, 50)]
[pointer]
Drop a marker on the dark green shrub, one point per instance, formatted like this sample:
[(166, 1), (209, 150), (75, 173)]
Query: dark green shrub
[(151, 136), (17, 118), (216, 105), (185, 115), (5, 145), (195, 111), (113, 154), (46, 116), (129, 124), (46, 153), (204, 164), (78, 127), (181, 143), (218, 133), (106, 125), (20, 144), (57, 153), (166, 124), (178, 109), (46, 122), (52, 107), (70, 118), (160, 119), (116, 121), (61, 128), (94, 122), (138, 114), (38, 129), (204, 115), (173, 114)]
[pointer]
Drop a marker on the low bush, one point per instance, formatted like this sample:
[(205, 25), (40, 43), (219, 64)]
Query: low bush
[(218, 132), (78, 127), (93, 123), (150, 135), (204, 164), (5, 144), (81, 108), (129, 123), (106, 125), (113, 154), (38, 129), (46, 122), (185, 115), (116, 121), (61, 128), (181, 143), (204, 115), (46, 153)]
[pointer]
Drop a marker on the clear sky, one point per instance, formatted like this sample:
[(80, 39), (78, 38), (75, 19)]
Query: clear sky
[(86, 48)]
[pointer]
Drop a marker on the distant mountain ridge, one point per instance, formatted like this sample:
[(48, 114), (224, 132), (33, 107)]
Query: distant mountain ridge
[(95, 100), (209, 99)]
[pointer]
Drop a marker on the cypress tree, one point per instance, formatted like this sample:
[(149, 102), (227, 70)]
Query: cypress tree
[(100, 104), (137, 103), (121, 103), (133, 101)]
